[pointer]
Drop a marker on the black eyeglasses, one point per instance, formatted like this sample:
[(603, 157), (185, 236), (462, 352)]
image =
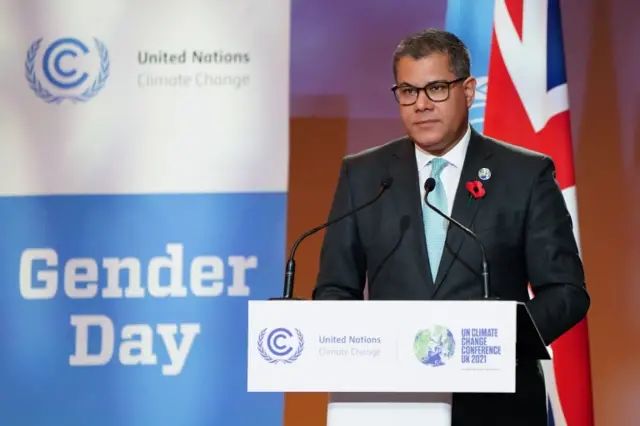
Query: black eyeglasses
[(436, 91)]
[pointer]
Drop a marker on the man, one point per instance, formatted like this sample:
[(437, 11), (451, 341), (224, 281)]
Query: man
[(402, 248)]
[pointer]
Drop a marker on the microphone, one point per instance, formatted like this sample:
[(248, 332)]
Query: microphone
[(290, 270), (429, 186)]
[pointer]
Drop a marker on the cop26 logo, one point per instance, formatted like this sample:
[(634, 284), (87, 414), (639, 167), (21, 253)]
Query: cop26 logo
[(55, 77), (280, 345)]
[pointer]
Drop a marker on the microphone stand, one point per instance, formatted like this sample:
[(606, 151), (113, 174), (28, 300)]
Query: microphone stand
[(290, 269), (429, 185)]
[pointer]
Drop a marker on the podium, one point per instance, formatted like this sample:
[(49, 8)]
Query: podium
[(389, 362)]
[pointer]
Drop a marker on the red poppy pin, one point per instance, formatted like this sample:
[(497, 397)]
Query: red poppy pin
[(476, 190)]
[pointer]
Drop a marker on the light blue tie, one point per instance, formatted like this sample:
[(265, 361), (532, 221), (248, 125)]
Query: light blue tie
[(434, 224)]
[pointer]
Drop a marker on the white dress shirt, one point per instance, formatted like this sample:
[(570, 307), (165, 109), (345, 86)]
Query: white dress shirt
[(450, 175)]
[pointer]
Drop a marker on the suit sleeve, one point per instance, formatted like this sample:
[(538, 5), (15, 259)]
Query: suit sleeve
[(554, 266), (342, 266)]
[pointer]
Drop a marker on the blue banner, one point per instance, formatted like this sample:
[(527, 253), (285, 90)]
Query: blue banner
[(472, 21)]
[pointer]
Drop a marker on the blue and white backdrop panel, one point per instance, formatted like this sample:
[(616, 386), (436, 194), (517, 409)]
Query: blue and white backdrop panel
[(144, 157)]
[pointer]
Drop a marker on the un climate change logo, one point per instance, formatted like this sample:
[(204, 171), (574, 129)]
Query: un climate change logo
[(280, 345), (476, 112), (434, 346), (58, 69)]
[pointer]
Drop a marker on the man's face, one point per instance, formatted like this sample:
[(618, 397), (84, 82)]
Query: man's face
[(433, 125)]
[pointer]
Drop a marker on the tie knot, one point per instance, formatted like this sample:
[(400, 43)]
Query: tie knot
[(437, 165)]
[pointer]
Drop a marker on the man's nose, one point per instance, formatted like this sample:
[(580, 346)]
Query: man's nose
[(423, 102)]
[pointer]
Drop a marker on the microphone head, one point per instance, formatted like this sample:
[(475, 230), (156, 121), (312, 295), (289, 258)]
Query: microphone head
[(386, 184), (429, 184)]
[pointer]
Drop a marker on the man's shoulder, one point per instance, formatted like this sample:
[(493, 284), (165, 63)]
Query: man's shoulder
[(520, 160), (521, 166), (513, 151), (379, 152)]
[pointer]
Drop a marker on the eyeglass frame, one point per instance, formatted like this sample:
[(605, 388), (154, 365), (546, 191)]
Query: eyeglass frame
[(395, 87)]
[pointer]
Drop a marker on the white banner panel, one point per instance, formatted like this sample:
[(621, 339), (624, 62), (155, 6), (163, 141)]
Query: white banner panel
[(147, 96), (382, 346)]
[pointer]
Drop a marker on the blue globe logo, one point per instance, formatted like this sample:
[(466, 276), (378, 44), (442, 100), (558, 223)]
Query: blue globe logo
[(434, 346)]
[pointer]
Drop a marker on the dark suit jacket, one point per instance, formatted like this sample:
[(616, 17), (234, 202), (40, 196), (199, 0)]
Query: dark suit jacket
[(522, 220)]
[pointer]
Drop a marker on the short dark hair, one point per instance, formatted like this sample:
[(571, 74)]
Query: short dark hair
[(432, 40)]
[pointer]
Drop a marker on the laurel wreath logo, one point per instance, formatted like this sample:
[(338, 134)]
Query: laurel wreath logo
[(50, 98), (271, 360)]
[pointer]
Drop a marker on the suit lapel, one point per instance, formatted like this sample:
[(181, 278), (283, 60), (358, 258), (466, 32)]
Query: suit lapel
[(404, 171), (464, 210)]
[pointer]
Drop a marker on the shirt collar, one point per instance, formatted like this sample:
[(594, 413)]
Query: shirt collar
[(455, 157)]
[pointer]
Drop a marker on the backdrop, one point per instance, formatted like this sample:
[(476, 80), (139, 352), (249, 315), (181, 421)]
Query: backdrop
[(341, 103), (137, 211)]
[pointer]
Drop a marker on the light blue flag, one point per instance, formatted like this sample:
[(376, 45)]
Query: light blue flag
[(472, 21)]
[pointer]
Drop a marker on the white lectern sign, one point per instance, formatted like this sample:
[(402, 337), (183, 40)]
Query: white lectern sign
[(382, 346)]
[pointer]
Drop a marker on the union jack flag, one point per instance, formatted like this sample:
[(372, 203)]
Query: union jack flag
[(524, 100)]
